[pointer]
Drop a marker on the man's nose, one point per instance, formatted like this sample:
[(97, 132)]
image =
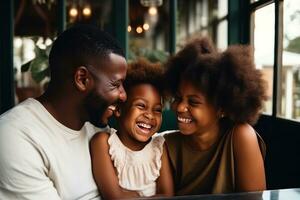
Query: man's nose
[(123, 95)]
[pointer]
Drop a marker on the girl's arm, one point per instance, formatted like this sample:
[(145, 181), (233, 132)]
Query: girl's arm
[(104, 171), (165, 186), (249, 163)]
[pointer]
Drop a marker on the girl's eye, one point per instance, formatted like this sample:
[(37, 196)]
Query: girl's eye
[(140, 105), (158, 110)]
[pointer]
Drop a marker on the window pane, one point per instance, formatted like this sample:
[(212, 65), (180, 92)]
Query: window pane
[(202, 17), (222, 36), (192, 18), (222, 8), (264, 48), (290, 88)]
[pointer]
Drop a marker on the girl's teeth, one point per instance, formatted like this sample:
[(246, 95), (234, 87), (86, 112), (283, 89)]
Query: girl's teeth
[(184, 120), (144, 125)]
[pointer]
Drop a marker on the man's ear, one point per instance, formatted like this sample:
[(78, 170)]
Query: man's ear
[(83, 79)]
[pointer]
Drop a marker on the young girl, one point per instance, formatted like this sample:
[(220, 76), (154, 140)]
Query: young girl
[(129, 162), (216, 98)]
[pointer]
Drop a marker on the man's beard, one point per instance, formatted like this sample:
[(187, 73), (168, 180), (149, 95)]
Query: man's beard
[(96, 116), (96, 107)]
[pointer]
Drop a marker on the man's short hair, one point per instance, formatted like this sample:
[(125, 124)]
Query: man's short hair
[(79, 46)]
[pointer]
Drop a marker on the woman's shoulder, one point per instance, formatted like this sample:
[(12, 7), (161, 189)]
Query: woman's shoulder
[(243, 133), (245, 137)]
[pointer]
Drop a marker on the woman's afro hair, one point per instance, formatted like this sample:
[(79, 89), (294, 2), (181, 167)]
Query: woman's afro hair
[(228, 79)]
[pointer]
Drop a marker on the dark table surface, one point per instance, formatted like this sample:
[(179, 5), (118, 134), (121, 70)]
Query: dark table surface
[(282, 194)]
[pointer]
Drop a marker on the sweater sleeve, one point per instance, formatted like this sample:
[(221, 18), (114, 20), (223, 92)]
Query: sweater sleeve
[(23, 169)]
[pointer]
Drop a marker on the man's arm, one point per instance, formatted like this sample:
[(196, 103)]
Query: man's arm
[(23, 171)]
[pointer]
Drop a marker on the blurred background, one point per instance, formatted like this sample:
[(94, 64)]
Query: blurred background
[(156, 29)]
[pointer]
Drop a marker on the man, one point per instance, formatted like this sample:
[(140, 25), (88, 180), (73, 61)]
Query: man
[(44, 142)]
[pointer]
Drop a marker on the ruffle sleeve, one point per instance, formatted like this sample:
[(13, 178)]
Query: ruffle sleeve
[(137, 170)]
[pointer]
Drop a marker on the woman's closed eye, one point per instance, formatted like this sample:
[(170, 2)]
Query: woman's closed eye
[(194, 102)]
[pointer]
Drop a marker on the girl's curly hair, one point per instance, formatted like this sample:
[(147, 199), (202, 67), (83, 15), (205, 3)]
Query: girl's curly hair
[(229, 79), (142, 71)]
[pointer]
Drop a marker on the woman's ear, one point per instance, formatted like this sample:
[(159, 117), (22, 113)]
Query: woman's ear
[(82, 78), (221, 113)]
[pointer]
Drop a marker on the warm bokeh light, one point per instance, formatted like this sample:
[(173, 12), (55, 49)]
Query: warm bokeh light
[(73, 12), (146, 26), (129, 28), (152, 10), (87, 11), (139, 30)]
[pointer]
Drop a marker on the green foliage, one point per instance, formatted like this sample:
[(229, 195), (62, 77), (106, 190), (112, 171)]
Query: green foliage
[(38, 67), (151, 55), (294, 45)]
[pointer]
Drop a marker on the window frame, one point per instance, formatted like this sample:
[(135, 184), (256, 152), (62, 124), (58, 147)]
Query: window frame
[(278, 47)]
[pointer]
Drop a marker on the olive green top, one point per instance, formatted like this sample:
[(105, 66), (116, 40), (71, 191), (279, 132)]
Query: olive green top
[(203, 172)]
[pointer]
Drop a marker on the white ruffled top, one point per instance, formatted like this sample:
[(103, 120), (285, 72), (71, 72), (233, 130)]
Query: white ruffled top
[(137, 170)]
